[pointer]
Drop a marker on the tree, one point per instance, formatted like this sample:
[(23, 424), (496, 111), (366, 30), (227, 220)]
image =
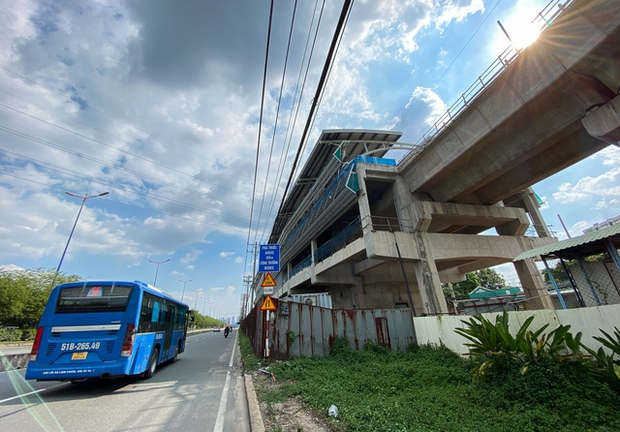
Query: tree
[(462, 289), (23, 295), (490, 279), (486, 278)]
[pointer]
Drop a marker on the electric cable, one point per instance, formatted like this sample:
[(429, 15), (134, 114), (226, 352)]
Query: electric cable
[(275, 126)]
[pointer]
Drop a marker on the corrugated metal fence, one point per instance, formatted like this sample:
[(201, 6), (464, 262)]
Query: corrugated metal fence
[(296, 329)]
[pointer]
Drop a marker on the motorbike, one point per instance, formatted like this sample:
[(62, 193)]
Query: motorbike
[(226, 332)]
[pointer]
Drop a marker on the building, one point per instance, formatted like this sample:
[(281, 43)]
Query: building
[(352, 228)]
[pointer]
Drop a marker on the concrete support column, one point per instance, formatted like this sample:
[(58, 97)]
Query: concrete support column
[(533, 284), (312, 249), (532, 207), (403, 203), (363, 204), (427, 277)]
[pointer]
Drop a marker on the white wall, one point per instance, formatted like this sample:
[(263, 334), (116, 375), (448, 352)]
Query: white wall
[(588, 321)]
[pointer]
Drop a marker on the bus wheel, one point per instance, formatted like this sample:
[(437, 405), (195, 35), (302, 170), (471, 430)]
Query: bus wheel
[(176, 354), (150, 371)]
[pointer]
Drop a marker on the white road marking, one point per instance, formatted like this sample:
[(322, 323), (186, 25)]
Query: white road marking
[(219, 421), (22, 395)]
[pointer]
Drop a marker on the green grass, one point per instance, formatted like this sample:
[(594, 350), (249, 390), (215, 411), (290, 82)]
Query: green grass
[(431, 389), (250, 360)]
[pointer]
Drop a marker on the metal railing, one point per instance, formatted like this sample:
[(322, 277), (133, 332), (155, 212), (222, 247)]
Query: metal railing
[(339, 240), (545, 17)]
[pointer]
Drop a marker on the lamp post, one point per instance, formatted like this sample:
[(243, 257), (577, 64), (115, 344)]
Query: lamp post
[(157, 271), (198, 291), (184, 283), (204, 303), (84, 198)]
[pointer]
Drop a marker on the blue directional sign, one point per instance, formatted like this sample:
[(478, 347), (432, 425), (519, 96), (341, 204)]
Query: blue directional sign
[(269, 258)]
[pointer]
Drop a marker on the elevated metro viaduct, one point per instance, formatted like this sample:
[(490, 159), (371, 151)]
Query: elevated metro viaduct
[(364, 228)]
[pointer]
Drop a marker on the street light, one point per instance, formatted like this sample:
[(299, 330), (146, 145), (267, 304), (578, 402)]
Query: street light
[(157, 271), (84, 198), (198, 291), (184, 282), (204, 303)]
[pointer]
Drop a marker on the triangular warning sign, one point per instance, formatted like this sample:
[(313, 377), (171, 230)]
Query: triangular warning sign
[(268, 281), (268, 304)]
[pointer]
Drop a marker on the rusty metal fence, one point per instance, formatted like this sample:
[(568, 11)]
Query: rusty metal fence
[(296, 329)]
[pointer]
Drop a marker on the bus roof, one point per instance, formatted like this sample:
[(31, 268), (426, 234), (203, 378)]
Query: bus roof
[(143, 285)]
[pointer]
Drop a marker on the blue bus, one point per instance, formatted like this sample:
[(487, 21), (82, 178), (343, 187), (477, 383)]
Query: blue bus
[(106, 329)]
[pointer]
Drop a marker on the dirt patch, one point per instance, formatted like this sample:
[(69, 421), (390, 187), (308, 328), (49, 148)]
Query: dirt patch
[(288, 416)]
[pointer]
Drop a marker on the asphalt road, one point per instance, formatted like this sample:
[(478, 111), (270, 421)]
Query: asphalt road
[(203, 391)]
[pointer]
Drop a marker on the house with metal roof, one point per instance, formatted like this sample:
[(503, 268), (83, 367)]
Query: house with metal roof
[(590, 267)]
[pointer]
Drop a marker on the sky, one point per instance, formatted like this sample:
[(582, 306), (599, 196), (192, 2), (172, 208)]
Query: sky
[(161, 104)]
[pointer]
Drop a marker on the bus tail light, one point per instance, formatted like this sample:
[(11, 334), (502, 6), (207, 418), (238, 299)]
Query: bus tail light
[(130, 335), (34, 352)]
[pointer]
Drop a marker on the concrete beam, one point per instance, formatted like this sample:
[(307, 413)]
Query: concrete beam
[(459, 246), (442, 217), (604, 122)]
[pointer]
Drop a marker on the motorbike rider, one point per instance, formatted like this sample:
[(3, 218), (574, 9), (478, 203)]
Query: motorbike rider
[(226, 331)]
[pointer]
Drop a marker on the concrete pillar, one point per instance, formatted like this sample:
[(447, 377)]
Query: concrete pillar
[(533, 284), (403, 203), (312, 249), (363, 204), (427, 277), (532, 207)]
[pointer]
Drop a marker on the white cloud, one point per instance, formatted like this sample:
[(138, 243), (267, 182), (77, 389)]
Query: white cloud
[(192, 255), (606, 185), (610, 155), (457, 10), (226, 254), (11, 268), (434, 103)]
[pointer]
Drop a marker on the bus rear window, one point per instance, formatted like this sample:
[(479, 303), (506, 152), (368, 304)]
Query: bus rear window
[(93, 298)]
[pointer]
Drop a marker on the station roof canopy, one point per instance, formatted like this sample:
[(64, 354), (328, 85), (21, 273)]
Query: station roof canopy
[(359, 142), (587, 244)]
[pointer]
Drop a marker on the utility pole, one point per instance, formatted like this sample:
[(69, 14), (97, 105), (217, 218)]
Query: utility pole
[(254, 255)]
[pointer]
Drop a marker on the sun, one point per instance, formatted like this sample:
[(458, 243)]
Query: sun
[(524, 35), (518, 29)]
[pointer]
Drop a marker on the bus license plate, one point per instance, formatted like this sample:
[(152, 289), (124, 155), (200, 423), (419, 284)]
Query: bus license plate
[(79, 355)]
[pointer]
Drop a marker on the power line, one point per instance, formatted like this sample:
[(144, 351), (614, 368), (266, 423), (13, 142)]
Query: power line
[(346, 8), (297, 103), (161, 165), (275, 125)]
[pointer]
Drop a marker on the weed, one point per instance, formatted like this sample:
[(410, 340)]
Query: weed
[(249, 359), (429, 388)]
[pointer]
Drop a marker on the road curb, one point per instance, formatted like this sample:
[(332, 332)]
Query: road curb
[(256, 419)]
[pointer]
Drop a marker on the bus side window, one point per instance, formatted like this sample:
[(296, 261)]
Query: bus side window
[(155, 314), (162, 317), (179, 319), (145, 314)]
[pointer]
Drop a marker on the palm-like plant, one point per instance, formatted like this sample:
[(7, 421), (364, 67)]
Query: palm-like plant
[(493, 342)]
